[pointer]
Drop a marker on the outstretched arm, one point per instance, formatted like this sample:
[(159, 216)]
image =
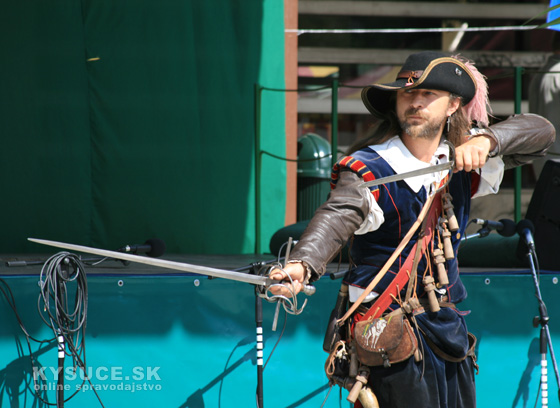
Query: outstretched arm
[(328, 231)]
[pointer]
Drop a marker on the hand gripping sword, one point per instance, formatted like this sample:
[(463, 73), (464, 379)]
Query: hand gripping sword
[(263, 281)]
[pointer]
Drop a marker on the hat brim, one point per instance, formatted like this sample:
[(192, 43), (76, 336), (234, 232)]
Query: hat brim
[(444, 74), (377, 99)]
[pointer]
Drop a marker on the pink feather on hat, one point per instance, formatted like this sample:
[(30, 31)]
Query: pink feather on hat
[(477, 109)]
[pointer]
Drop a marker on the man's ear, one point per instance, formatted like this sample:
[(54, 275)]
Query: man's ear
[(454, 105)]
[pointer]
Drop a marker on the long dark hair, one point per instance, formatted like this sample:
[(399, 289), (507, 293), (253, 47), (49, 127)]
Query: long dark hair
[(459, 125)]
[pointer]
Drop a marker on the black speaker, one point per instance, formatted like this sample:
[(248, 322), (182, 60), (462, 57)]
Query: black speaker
[(544, 212)]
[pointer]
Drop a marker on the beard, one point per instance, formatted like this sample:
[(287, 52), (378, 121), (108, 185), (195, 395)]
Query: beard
[(428, 129)]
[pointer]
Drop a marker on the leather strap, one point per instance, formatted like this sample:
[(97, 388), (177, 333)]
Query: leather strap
[(404, 274), (391, 259)]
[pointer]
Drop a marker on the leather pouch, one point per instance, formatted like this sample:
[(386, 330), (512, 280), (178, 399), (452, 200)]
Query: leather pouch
[(385, 340)]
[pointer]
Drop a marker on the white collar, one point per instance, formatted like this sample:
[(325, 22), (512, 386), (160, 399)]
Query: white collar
[(394, 152)]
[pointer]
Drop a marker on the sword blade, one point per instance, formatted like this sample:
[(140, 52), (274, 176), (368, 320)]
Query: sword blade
[(161, 263), (409, 174)]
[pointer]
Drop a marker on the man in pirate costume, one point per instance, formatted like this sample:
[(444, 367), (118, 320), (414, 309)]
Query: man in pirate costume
[(436, 100)]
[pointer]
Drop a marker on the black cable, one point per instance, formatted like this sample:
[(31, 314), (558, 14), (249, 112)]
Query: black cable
[(58, 273), (296, 160), (55, 275), (9, 296)]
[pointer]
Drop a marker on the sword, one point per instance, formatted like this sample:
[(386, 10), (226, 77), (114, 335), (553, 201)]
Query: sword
[(178, 266), (409, 174)]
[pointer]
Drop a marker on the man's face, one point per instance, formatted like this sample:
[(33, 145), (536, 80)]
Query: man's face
[(423, 112)]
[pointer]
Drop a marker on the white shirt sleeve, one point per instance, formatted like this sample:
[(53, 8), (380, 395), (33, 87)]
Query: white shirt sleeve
[(373, 219), (491, 176)]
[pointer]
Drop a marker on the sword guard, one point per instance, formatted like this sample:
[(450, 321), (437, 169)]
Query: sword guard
[(288, 302)]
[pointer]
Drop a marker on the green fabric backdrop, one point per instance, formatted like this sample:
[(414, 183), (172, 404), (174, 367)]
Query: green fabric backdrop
[(127, 120)]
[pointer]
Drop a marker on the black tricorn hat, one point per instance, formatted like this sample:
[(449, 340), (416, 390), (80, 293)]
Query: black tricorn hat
[(426, 70)]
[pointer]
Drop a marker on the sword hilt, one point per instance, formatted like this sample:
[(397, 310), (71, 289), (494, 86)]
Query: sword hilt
[(289, 302), (309, 290), (306, 288)]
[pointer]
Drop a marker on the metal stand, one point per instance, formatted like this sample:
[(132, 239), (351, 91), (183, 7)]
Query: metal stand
[(260, 349), (60, 380), (255, 269), (63, 275), (545, 339)]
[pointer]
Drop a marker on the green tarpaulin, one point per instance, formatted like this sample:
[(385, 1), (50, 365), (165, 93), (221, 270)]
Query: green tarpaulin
[(126, 120)]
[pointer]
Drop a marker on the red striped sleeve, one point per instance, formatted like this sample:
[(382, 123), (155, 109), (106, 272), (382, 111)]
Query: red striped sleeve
[(359, 168)]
